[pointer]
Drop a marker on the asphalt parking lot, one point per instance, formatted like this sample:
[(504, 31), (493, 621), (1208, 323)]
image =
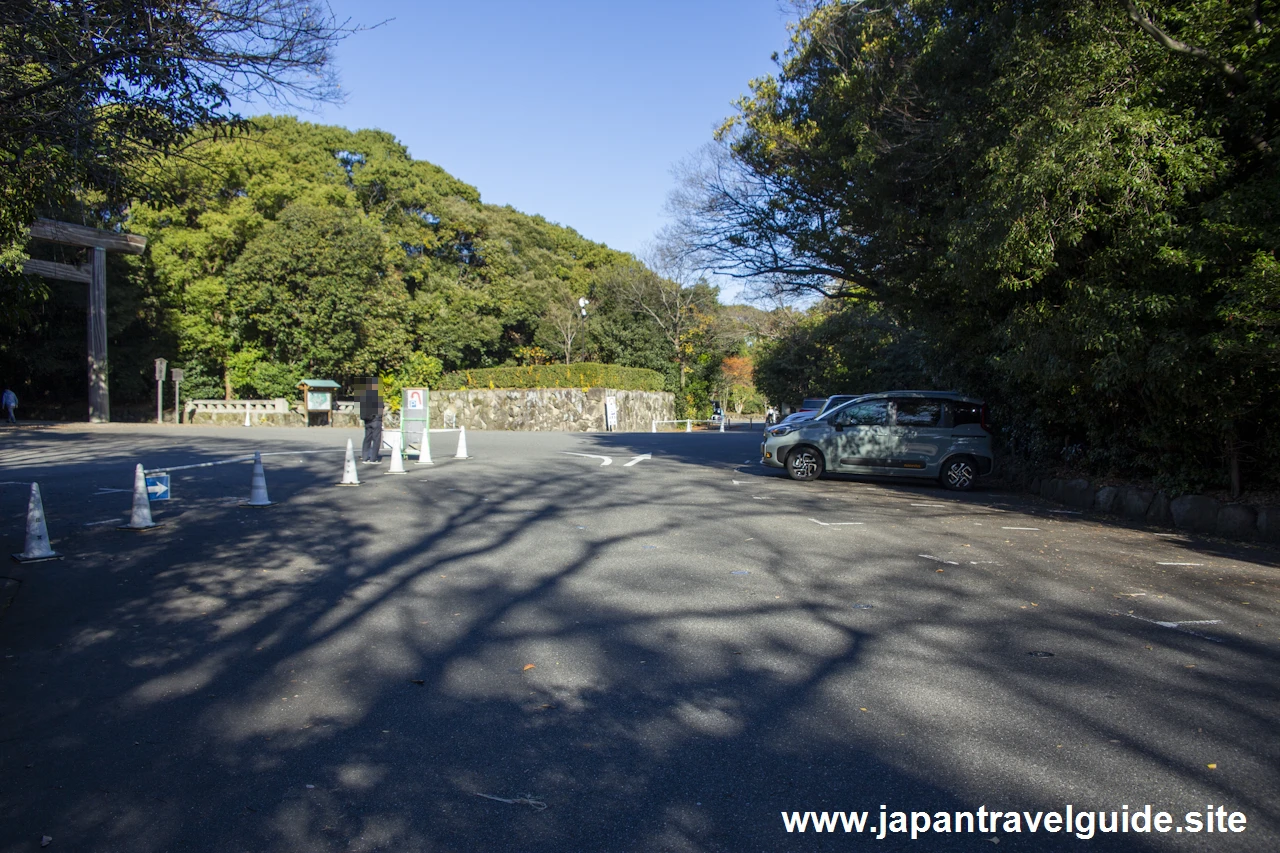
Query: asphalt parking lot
[(608, 642)]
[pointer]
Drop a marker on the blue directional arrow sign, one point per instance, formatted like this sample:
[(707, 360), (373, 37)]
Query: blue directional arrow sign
[(158, 487)]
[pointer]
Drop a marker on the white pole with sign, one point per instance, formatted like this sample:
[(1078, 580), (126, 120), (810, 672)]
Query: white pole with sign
[(176, 375), (161, 364)]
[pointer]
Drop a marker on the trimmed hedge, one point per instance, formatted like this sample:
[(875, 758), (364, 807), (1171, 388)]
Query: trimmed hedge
[(585, 375)]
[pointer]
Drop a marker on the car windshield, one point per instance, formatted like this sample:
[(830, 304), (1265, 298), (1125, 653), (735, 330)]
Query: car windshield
[(840, 405)]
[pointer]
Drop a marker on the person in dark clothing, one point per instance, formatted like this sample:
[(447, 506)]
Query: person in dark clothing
[(371, 409)]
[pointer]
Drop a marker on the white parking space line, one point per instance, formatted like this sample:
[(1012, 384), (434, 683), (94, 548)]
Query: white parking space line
[(635, 459), (938, 559), (1177, 626), (1019, 528), (838, 523), (942, 505), (1179, 564)]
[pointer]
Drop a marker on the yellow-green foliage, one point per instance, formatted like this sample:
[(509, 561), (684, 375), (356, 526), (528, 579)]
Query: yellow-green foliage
[(586, 375)]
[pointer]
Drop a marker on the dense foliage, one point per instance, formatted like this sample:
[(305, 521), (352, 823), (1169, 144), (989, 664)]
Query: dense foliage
[(289, 250), (1067, 206), (90, 90)]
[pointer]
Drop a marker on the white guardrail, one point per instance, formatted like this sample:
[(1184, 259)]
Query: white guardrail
[(689, 422)]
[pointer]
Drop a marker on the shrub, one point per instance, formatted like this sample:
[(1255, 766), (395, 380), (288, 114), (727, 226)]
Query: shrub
[(584, 375)]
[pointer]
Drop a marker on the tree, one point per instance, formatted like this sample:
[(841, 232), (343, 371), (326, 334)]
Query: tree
[(1066, 201), (675, 307), (90, 90), (310, 290), (563, 322)]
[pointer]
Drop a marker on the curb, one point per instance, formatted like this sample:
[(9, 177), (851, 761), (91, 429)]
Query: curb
[(1192, 513)]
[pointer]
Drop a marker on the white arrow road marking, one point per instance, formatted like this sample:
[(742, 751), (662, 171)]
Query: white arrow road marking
[(938, 559), (823, 523), (606, 459), (635, 459), (837, 523), (736, 483)]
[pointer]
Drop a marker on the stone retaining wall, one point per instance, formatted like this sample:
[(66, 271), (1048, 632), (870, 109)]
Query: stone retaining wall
[(537, 409), (549, 409), (1193, 513)]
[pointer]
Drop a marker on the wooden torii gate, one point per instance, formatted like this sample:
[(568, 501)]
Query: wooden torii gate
[(93, 274)]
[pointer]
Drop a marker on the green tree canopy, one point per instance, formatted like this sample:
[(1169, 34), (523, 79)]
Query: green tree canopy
[(1069, 202)]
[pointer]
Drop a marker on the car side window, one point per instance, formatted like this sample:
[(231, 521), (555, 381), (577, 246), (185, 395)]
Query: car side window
[(919, 413), (871, 413)]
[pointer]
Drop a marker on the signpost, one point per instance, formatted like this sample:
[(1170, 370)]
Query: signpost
[(415, 413), (176, 374), (610, 414), (161, 364)]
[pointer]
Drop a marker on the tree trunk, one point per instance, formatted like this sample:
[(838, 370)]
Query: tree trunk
[(226, 383), (1232, 448)]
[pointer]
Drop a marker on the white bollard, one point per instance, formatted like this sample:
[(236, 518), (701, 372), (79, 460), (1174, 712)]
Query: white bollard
[(654, 427), (688, 426), (140, 517), (349, 475), (257, 484), (462, 444), (722, 424), (247, 422), (37, 544)]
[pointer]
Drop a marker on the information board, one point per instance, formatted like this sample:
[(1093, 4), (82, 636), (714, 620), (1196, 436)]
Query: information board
[(415, 418)]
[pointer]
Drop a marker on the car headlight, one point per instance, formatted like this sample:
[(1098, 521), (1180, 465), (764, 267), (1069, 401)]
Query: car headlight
[(777, 431)]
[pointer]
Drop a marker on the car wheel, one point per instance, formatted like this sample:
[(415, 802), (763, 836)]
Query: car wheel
[(959, 473), (804, 463)]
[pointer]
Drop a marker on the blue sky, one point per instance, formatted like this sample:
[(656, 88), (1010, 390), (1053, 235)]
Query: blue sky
[(570, 109)]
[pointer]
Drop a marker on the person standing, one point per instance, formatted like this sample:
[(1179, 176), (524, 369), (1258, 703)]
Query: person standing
[(9, 401), (371, 413)]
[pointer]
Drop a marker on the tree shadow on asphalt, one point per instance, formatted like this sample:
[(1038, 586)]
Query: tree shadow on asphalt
[(349, 669)]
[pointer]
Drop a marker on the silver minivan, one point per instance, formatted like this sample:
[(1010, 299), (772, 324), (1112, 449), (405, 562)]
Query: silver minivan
[(941, 435)]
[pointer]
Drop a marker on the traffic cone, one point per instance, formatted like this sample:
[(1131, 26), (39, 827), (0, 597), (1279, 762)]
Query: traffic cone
[(257, 484), (397, 459), (37, 546), (140, 518), (462, 444), (424, 449), (349, 475)]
